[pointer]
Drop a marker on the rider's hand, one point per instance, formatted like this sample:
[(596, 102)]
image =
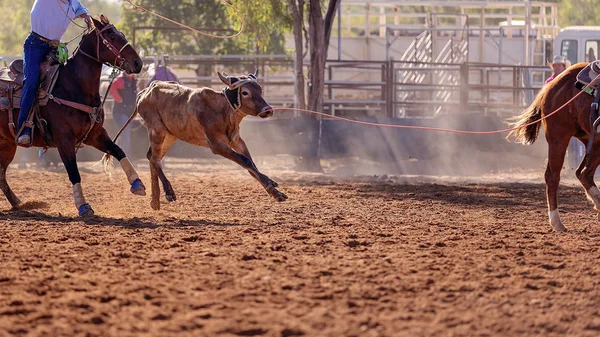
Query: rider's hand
[(88, 20)]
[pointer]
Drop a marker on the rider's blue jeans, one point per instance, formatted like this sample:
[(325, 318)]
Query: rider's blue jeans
[(34, 52)]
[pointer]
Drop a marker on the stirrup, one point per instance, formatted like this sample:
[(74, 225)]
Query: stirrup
[(596, 125)]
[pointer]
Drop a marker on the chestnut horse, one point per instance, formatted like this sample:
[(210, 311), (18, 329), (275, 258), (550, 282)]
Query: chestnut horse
[(571, 121), (78, 82)]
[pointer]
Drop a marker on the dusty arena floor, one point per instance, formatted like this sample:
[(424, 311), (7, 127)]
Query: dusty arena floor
[(344, 256)]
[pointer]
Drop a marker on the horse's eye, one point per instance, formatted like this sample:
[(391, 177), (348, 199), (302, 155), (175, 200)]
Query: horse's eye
[(245, 93), (111, 36)]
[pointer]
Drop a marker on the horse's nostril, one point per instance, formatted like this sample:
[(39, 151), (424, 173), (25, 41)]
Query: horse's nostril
[(138, 64)]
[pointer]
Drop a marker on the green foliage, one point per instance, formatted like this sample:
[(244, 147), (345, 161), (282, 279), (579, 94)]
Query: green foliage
[(263, 27), (579, 12)]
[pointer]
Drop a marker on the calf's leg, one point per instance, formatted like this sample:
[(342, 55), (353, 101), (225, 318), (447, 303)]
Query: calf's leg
[(240, 154), (160, 143)]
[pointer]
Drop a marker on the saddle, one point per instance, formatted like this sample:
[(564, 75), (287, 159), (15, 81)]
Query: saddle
[(11, 89), (586, 76)]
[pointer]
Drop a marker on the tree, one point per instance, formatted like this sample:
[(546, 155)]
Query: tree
[(319, 33)]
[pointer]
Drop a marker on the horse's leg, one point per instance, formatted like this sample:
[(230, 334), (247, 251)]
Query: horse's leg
[(160, 143), (7, 154), (557, 148), (585, 173), (66, 149), (103, 143)]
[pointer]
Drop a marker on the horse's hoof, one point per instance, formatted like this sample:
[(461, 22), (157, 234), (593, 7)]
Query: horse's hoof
[(85, 210), (170, 197), (559, 228), (138, 188)]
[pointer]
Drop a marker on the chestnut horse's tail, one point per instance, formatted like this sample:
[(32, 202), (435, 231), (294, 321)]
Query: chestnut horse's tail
[(528, 123), (106, 158)]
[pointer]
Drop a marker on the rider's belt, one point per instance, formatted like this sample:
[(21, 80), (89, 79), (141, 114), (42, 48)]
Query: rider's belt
[(51, 43)]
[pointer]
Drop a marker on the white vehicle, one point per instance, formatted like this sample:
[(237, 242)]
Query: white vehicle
[(578, 43)]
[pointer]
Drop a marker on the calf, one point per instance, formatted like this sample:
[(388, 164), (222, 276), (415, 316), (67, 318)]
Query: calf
[(202, 117)]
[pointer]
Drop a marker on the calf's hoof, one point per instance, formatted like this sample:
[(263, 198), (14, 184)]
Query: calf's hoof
[(155, 205), (279, 196), (171, 197), (86, 210), (138, 188)]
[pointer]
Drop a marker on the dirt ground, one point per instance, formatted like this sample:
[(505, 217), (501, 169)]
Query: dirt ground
[(344, 256)]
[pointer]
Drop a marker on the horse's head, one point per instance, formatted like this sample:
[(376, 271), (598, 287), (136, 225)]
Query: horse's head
[(106, 44), (249, 94)]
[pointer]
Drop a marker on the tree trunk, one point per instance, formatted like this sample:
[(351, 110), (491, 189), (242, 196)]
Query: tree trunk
[(298, 15), (319, 32)]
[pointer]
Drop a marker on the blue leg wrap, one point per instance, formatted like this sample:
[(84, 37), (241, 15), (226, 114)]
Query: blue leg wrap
[(86, 210)]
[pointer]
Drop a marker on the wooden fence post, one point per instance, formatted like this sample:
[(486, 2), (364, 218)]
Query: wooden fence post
[(464, 87)]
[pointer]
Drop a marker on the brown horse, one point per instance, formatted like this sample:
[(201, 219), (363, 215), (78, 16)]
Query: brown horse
[(78, 82), (571, 121)]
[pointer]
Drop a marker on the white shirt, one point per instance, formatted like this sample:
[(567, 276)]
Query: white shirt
[(50, 21)]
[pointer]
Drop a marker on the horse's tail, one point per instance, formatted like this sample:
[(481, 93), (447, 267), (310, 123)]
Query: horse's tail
[(107, 158), (527, 125)]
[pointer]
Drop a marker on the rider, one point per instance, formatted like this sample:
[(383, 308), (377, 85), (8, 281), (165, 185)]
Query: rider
[(49, 21)]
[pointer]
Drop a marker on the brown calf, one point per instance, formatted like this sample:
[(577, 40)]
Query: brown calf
[(202, 117)]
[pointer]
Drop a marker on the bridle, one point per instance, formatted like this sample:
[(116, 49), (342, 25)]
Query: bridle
[(119, 59)]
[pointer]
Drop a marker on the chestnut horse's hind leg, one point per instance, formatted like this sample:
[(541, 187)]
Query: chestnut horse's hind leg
[(585, 173), (557, 149), (66, 149), (160, 143), (103, 143), (7, 154)]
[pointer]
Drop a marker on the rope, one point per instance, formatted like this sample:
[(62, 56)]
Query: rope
[(393, 126), (142, 9)]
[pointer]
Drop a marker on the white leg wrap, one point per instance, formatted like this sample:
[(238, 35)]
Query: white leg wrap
[(594, 195), (555, 221), (78, 195), (129, 170)]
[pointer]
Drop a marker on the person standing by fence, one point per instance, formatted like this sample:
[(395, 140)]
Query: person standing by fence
[(124, 92)]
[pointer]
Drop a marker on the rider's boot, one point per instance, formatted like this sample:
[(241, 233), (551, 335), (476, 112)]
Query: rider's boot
[(25, 138)]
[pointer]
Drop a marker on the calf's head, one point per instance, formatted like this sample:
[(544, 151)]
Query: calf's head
[(245, 94)]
